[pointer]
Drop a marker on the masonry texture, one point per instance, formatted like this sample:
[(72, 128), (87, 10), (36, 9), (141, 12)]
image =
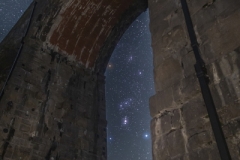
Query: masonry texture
[(180, 125), (54, 104)]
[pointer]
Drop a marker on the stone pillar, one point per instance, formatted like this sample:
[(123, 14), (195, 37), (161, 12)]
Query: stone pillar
[(180, 124), (53, 107)]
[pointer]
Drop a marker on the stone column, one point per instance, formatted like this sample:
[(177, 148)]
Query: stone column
[(180, 125)]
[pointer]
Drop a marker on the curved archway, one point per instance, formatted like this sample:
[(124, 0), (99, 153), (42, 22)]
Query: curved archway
[(54, 104)]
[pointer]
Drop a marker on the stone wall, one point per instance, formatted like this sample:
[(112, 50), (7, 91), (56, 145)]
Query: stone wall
[(52, 108), (54, 104), (180, 124)]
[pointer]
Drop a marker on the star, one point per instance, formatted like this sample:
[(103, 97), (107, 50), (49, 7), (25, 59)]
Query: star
[(110, 66), (130, 58), (125, 120)]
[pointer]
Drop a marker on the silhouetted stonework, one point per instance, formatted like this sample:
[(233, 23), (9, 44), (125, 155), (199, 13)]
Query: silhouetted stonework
[(54, 104)]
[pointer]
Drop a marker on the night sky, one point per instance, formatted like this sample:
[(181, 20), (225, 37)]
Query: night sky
[(10, 12), (129, 84)]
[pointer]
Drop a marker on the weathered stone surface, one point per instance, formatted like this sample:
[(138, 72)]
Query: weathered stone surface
[(187, 62), (216, 27), (167, 73), (54, 104), (169, 145), (160, 101), (167, 122), (193, 110), (219, 39), (211, 12), (208, 152)]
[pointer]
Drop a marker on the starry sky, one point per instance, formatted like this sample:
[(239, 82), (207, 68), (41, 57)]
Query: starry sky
[(10, 12), (129, 84)]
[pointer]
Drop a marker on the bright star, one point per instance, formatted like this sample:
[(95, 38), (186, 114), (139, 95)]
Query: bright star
[(125, 120), (130, 59)]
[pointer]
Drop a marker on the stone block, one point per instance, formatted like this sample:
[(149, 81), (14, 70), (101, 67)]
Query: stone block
[(224, 73), (234, 127), (160, 101), (233, 146), (82, 122), (37, 153), (30, 102), (193, 110), (15, 96), (163, 18), (195, 5), (84, 144), (187, 88), (226, 90), (221, 38), (21, 153), (208, 152), (21, 114), (229, 113), (217, 96), (167, 73), (9, 151), (200, 139), (24, 128), (169, 145), (187, 62), (190, 87), (226, 67), (211, 11), (166, 123), (160, 148), (36, 158), (169, 44), (156, 6)]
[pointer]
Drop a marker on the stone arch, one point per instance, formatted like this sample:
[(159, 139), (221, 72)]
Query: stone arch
[(53, 105), (58, 104)]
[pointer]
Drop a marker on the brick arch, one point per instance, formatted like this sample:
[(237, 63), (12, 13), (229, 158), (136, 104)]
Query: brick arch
[(89, 30)]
